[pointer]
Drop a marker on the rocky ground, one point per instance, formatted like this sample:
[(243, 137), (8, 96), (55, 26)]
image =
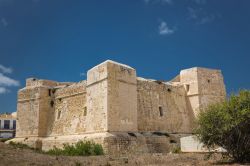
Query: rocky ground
[(12, 156)]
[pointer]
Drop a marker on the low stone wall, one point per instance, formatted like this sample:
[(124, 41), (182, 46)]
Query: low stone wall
[(192, 144)]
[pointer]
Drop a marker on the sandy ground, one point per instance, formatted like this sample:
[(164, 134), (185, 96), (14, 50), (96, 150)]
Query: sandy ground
[(11, 156)]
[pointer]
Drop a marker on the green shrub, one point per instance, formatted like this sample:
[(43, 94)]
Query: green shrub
[(81, 148), (4, 139), (176, 149), (227, 124), (20, 145)]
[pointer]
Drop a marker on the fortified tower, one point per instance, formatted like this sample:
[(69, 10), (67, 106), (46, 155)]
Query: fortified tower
[(204, 86), (114, 107), (112, 97), (34, 109)]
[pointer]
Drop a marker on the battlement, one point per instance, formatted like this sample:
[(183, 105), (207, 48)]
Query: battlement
[(108, 69), (30, 82)]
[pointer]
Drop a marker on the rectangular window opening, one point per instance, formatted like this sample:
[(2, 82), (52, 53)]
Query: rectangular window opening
[(6, 124), (14, 124), (187, 87), (160, 111), (58, 114), (85, 111), (52, 103)]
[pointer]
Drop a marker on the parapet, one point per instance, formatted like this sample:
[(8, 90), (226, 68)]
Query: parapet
[(198, 80), (38, 82), (111, 69)]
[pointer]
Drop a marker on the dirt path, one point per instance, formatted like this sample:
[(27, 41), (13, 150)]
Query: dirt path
[(10, 156)]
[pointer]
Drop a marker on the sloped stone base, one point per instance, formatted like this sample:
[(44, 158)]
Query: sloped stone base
[(113, 143)]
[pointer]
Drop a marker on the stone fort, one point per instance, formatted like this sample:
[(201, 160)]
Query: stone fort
[(115, 108)]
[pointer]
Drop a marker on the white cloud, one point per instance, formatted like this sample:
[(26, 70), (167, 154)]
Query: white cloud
[(4, 22), (167, 1), (82, 74), (200, 16), (164, 29), (192, 13), (3, 90), (6, 81), (159, 1), (206, 19), (5, 69), (200, 2)]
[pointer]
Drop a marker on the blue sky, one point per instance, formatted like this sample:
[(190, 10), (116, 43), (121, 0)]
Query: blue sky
[(61, 39)]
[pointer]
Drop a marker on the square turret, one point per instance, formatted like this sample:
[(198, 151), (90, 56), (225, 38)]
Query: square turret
[(112, 97), (204, 86)]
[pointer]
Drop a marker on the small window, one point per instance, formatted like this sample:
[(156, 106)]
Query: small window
[(6, 124), (14, 124), (49, 92), (51, 103), (208, 81), (160, 111), (187, 87), (85, 111), (53, 91), (58, 114)]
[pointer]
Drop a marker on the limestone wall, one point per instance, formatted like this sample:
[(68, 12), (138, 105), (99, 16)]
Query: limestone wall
[(113, 99), (32, 82), (70, 111), (97, 89), (211, 86), (48, 108), (122, 98), (163, 107), (27, 112), (33, 108), (115, 108)]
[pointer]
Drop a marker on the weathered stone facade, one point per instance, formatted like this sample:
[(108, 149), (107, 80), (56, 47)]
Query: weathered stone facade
[(114, 107)]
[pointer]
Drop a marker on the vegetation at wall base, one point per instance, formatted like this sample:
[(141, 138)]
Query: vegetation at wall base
[(227, 125), (176, 149), (4, 139), (81, 148), (22, 146)]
